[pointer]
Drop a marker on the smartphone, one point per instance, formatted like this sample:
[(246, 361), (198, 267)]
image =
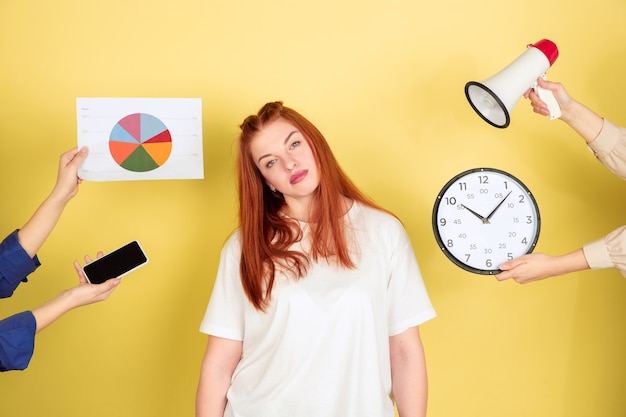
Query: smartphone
[(116, 264)]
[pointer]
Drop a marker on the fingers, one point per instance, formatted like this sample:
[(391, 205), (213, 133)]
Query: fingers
[(106, 288), (77, 156), (508, 269), (79, 269), (109, 285), (82, 279), (504, 275), (73, 155)]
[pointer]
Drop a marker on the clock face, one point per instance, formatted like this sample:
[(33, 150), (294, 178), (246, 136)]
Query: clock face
[(483, 217)]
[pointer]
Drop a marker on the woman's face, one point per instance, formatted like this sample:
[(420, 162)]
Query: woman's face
[(286, 161)]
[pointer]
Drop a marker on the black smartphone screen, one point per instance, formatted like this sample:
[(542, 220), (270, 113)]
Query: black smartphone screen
[(115, 264)]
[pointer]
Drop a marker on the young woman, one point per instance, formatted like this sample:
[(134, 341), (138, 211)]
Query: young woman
[(318, 296)]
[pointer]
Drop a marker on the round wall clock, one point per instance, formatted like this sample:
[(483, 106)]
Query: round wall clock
[(483, 217)]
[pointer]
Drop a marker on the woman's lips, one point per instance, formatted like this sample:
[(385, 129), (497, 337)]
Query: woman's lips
[(298, 176)]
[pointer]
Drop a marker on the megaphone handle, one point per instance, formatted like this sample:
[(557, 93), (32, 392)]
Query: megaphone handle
[(547, 97)]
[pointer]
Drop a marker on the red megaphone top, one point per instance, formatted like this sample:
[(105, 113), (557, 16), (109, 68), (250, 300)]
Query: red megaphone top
[(548, 48)]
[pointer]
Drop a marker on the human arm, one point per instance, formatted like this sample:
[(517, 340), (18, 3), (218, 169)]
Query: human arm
[(37, 229), (408, 373), (219, 362), (536, 266), (81, 295), (17, 333)]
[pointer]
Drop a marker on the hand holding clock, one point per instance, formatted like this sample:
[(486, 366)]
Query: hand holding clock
[(536, 266)]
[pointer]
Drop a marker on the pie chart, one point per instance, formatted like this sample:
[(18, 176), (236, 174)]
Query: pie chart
[(140, 142)]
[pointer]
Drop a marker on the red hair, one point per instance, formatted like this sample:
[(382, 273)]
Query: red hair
[(266, 235)]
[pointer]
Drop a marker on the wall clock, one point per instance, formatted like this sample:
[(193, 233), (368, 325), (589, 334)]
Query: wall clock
[(483, 217)]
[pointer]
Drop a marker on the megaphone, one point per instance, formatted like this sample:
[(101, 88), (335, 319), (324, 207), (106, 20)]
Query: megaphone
[(494, 97)]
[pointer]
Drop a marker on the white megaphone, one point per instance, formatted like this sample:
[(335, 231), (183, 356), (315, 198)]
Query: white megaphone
[(494, 98)]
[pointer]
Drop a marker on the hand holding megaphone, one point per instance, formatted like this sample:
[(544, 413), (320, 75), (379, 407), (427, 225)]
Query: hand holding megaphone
[(494, 97), (539, 105), (545, 95)]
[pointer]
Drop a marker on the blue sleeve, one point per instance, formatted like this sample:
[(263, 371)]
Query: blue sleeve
[(15, 265), (17, 341)]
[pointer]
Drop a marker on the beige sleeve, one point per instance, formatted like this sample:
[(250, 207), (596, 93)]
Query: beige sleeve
[(610, 148), (608, 252)]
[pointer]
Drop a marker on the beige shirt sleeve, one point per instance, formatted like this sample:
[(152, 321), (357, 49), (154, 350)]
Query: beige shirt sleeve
[(608, 252), (610, 149)]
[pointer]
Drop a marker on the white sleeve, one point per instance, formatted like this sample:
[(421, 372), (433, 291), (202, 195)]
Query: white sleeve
[(224, 315), (408, 302)]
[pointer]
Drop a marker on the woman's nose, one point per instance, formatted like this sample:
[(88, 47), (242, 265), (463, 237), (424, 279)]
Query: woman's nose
[(291, 165)]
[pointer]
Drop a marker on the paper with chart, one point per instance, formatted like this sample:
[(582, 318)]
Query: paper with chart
[(140, 138)]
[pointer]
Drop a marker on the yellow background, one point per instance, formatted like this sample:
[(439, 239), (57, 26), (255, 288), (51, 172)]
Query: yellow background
[(384, 81)]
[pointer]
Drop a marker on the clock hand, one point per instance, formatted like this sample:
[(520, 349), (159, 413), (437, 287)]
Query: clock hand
[(484, 220), (497, 207)]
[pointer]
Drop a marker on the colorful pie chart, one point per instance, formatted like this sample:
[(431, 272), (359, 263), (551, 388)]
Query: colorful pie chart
[(140, 142)]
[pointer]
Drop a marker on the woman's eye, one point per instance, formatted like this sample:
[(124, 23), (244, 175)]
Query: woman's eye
[(270, 163), (295, 144)]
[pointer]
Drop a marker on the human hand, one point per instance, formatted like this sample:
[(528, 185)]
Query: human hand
[(86, 293), (67, 176), (536, 266), (80, 295), (82, 279), (560, 94), (527, 268)]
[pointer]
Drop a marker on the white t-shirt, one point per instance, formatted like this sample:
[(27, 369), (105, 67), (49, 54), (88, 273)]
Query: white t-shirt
[(321, 349)]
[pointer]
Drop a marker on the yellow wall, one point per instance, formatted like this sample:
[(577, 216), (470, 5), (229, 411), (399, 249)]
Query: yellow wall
[(384, 81)]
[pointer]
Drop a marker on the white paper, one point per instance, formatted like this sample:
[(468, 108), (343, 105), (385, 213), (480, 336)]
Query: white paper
[(164, 141)]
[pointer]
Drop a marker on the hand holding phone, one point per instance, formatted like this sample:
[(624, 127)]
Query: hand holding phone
[(116, 264)]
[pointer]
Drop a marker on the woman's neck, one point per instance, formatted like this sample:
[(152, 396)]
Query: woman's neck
[(301, 209)]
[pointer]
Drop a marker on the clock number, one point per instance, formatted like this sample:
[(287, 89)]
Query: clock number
[(450, 201), (442, 221), (529, 219), (521, 198), (509, 256), (483, 179), (462, 186), (488, 263), (450, 243)]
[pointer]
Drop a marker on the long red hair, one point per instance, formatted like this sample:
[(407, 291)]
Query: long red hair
[(266, 235)]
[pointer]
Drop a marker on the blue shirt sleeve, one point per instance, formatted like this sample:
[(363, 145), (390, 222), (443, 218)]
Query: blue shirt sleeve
[(17, 341), (15, 265)]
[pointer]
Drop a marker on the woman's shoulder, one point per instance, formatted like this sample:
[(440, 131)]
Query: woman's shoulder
[(375, 216), (232, 244)]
